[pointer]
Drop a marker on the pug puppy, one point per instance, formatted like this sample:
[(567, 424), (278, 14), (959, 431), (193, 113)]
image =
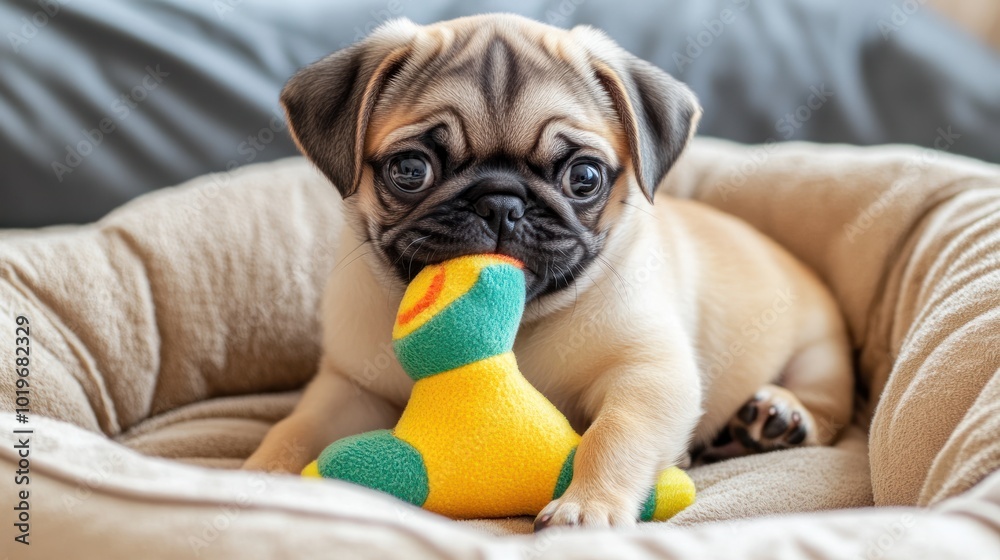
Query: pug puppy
[(657, 329)]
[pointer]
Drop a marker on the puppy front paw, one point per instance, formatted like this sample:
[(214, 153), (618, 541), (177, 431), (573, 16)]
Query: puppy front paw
[(573, 510)]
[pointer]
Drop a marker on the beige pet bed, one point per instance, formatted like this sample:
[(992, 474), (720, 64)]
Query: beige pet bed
[(167, 337)]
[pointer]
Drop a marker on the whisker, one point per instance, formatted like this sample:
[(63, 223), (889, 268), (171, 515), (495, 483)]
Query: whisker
[(606, 300), (576, 292), (362, 255), (348, 255), (401, 255), (409, 267), (614, 284), (611, 266), (576, 288)]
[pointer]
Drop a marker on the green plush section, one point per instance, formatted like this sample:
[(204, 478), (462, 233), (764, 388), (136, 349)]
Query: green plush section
[(649, 506), (378, 460), (565, 475), (480, 324)]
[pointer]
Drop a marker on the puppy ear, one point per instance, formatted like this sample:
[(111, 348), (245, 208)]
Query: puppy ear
[(659, 113), (328, 103)]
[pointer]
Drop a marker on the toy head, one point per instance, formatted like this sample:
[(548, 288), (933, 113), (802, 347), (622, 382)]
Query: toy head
[(459, 312)]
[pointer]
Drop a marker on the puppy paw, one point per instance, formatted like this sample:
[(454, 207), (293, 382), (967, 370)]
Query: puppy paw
[(772, 419), (571, 511)]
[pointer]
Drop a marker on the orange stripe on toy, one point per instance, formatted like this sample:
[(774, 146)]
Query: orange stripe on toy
[(430, 296), (418, 307)]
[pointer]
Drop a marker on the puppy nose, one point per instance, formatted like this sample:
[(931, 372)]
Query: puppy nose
[(501, 211)]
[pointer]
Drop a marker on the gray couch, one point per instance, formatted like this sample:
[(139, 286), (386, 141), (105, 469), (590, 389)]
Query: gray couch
[(101, 101)]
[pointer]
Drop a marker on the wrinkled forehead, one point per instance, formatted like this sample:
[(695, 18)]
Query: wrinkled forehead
[(490, 92)]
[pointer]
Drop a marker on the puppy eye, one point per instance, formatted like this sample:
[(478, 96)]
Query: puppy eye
[(410, 173), (582, 180)]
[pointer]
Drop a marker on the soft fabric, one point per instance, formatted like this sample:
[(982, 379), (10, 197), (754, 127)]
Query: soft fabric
[(475, 439), (103, 100), (909, 242), (182, 324)]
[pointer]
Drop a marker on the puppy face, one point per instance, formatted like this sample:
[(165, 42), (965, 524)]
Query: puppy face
[(489, 134)]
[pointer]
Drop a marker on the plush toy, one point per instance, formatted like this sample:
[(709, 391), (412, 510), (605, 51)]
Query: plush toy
[(476, 439)]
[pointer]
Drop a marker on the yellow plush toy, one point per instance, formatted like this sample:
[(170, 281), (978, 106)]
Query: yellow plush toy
[(476, 439)]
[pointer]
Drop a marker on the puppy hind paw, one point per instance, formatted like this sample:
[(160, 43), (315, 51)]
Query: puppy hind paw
[(772, 419)]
